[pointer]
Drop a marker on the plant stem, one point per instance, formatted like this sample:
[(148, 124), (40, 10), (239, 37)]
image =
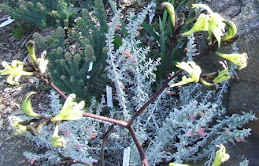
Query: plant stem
[(67, 160), (139, 147), (152, 99), (123, 123), (114, 121), (58, 90)]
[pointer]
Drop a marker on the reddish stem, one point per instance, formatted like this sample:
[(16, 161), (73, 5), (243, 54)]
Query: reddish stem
[(152, 99), (138, 144), (114, 121), (58, 90), (122, 123)]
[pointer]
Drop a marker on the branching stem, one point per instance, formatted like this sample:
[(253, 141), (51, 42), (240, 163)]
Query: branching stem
[(153, 98), (120, 122)]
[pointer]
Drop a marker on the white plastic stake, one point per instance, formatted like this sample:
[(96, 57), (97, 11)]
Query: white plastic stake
[(109, 96), (8, 21), (90, 66), (126, 156)]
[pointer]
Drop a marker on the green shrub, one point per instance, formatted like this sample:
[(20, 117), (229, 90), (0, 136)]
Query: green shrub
[(71, 55), (42, 13)]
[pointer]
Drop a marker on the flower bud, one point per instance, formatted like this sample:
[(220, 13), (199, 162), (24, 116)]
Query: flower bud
[(222, 76), (31, 49), (170, 9), (26, 105), (58, 141)]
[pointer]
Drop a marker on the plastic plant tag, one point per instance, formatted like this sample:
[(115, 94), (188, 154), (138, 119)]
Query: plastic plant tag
[(126, 156), (109, 96)]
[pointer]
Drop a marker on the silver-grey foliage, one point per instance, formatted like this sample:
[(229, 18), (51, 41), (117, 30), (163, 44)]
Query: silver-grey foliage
[(182, 127)]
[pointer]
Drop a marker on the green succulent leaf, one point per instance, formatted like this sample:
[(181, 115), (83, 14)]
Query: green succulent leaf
[(15, 71), (238, 59), (27, 107), (14, 121), (192, 69), (70, 110), (200, 25)]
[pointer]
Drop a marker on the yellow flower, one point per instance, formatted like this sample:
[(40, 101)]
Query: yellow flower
[(14, 121), (192, 69), (15, 70), (221, 156), (238, 59), (216, 27), (200, 25), (70, 110), (57, 140), (222, 76)]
